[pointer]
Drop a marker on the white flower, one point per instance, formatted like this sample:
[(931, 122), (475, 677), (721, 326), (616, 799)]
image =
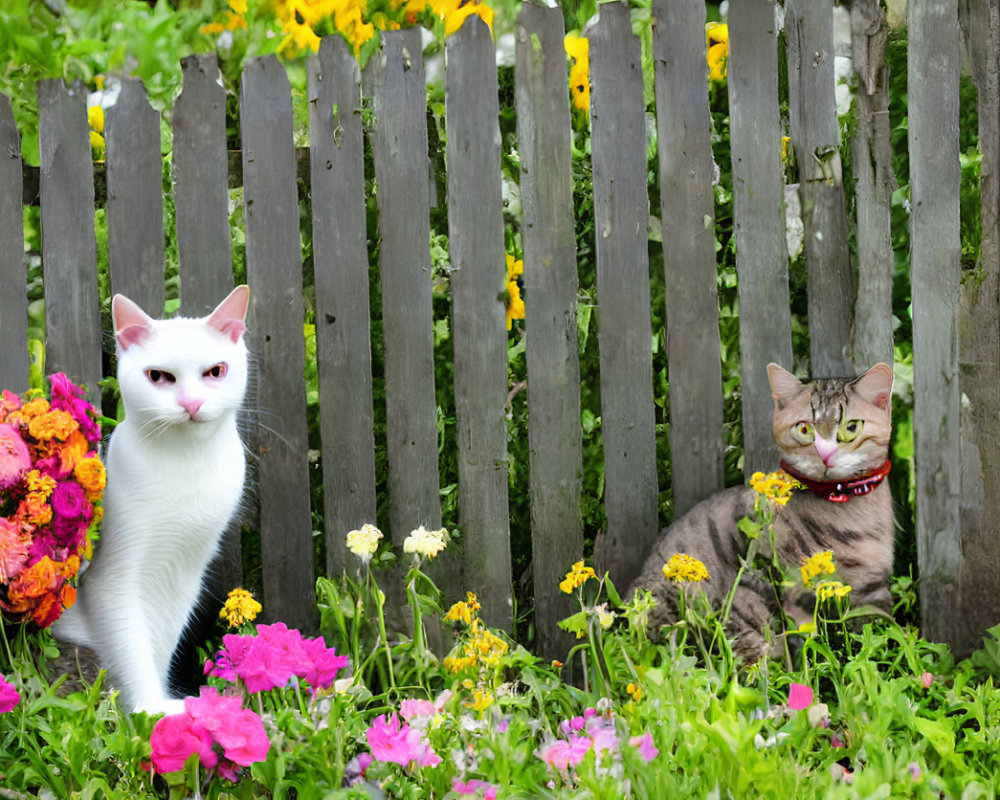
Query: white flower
[(426, 543), (364, 543)]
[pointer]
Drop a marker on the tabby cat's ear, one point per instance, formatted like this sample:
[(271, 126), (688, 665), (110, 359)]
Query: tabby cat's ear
[(875, 386), (784, 385), (132, 324)]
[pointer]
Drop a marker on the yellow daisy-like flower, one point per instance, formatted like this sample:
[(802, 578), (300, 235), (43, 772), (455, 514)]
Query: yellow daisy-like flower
[(240, 607), (682, 568), (40, 484), (717, 39), (576, 577), (818, 564), (828, 590), (776, 486), (578, 50), (364, 542), (95, 118)]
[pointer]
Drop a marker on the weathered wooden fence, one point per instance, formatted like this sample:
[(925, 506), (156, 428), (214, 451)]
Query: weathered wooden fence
[(956, 325)]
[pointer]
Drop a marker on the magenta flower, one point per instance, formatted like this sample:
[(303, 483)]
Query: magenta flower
[(926, 679), (800, 696), (396, 742), (9, 696), (15, 459), (237, 730), (565, 753), (645, 746), (323, 664), (175, 738), (472, 786), (69, 397)]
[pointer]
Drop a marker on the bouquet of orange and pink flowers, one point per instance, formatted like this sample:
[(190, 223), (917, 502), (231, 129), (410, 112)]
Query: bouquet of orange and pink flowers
[(51, 484)]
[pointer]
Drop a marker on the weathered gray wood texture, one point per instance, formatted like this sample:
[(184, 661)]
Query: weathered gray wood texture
[(874, 182), (550, 283), (274, 273), (340, 268), (687, 211), (135, 198), (69, 246), (621, 212), (816, 139), (200, 176), (13, 279), (979, 354), (399, 147), (476, 241), (758, 214), (935, 253)]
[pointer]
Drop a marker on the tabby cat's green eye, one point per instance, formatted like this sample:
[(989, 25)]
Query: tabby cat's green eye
[(804, 430), (849, 430)]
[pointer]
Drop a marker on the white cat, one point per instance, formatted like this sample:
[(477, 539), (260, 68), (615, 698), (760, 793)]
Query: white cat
[(175, 469)]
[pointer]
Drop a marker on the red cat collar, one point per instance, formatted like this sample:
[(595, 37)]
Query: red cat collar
[(841, 491)]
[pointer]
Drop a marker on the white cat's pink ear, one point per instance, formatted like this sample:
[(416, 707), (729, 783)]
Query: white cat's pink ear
[(783, 383), (132, 324), (875, 385), (230, 315)]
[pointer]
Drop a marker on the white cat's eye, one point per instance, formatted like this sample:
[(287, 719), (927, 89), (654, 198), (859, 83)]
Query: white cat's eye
[(849, 430), (804, 431), (218, 371), (159, 376)]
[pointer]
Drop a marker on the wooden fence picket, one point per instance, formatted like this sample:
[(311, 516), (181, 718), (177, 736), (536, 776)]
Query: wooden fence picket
[(621, 215), (14, 369), (476, 241), (935, 255), (815, 136), (69, 247), (758, 216), (399, 148), (274, 272), (200, 177), (687, 214), (550, 283), (135, 198), (340, 268)]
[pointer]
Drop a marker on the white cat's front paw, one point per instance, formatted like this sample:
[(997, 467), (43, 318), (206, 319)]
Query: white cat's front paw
[(165, 705)]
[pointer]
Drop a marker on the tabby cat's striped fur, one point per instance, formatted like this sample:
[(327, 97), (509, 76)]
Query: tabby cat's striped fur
[(828, 431)]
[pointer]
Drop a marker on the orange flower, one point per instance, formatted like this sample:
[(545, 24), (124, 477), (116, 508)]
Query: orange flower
[(55, 424), (89, 473), (34, 509), (73, 452)]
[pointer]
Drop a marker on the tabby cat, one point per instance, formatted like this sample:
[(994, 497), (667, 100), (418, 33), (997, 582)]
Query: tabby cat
[(833, 436)]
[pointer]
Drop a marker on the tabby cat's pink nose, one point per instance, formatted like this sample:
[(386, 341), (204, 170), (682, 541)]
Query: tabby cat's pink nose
[(826, 449)]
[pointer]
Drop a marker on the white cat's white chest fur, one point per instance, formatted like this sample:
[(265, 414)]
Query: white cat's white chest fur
[(175, 469)]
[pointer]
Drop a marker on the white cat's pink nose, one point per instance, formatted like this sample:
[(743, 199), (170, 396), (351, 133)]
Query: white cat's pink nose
[(826, 449), (191, 405)]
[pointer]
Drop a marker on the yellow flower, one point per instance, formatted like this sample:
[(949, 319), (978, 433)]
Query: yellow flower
[(635, 691), (605, 617), (240, 607), (212, 28), (40, 484), (54, 424), (90, 474), (426, 543), (578, 49), (95, 118), (364, 542), (459, 663), (465, 610), (776, 486), (515, 267), (481, 700), (682, 568), (807, 627), (717, 38), (238, 6), (785, 140), (832, 589), (514, 305), (817, 564), (576, 577)]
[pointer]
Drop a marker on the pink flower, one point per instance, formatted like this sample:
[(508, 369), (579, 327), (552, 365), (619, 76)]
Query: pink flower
[(213, 711), (322, 664), (398, 743), (472, 786), (9, 696), (799, 696), (565, 753), (175, 738), (926, 679), (15, 459), (244, 740), (69, 397), (645, 746), (14, 550), (413, 709), (356, 767)]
